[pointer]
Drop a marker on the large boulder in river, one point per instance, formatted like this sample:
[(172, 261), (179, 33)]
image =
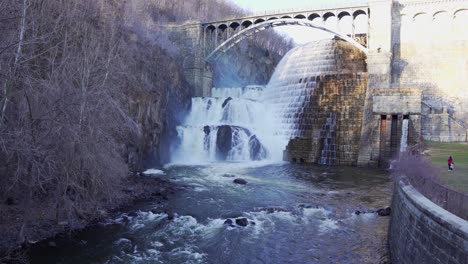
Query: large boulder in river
[(242, 221), (240, 181), (257, 151), (384, 211), (223, 141), (207, 130), (226, 101)]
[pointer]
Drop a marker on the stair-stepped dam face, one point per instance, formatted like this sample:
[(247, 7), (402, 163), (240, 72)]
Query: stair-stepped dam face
[(318, 92)]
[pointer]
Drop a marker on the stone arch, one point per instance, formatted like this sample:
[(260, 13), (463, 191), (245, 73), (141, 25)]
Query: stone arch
[(300, 16), (247, 32), (328, 15), (210, 36), (223, 27), (419, 14), (459, 11), (460, 20), (272, 18), (260, 20), (330, 20), (440, 27), (345, 23), (286, 16), (343, 14), (359, 12), (313, 16), (421, 29), (360, 21), (437, 13), (234, 25), (245, 24), (211, 28)]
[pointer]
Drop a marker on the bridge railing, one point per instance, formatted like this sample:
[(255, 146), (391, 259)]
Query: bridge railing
[(451, 200), (318, 6), (420, 174)]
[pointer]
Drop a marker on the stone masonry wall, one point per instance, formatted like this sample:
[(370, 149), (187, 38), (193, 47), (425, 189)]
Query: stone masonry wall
[(430, 51), (389, 108), (422, 232), (441, 127), (343, 95)]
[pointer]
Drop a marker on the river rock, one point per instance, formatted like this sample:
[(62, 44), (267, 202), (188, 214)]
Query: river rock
[(384, 211), (52, 244), (307, 206), (226, 101), (271, 210), (242, 221), (257, 151), (228, 222), (208, 105), (357, 212), (229, 175), (239, 181), (125, 244), (133, 214), (223, 141), (207, 130)]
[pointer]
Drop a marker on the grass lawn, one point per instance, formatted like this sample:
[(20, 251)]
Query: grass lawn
[(439, 152)]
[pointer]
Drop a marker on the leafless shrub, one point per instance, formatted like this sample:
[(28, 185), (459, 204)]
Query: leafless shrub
[(76, 89), (415, 168), (81, 88)]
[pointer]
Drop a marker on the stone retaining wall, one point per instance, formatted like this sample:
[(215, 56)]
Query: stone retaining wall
[(422, 232)]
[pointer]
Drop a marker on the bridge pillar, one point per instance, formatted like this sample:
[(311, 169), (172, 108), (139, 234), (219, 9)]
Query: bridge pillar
[(197, 72), (379, 61)]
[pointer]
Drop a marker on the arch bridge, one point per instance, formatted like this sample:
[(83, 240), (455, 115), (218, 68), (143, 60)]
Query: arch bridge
[(220, 36), (383, 29)]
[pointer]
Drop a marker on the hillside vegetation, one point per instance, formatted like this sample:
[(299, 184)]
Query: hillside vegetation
[(89, 91)]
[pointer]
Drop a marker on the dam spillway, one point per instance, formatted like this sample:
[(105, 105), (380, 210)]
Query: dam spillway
[(312, 83)]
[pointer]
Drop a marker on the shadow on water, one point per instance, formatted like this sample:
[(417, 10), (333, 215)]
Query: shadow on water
[(293, 214)]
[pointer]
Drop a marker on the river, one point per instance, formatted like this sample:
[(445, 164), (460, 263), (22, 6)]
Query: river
[(296, 214)]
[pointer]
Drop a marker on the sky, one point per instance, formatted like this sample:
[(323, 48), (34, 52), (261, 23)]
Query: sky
[(299, 34)]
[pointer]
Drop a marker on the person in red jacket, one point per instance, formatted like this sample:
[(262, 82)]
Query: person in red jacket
[(450, 163)]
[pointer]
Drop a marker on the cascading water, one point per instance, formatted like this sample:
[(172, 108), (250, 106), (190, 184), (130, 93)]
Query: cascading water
[(296, 76), (230, 126), (328, 135), (252, 123), (404, 136)]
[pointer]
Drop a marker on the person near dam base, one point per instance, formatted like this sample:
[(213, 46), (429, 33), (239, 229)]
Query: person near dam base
[(450, 163)]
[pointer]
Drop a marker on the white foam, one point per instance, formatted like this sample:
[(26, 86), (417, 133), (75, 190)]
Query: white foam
[(189, 253), (316, 212), (150, 216), (154, 172), (200, 189), (144, 217), (328, 225), (157, 244), (121, 241), (153, 253)]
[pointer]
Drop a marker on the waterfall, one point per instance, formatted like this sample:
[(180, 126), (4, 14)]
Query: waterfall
[(296, 76), (255, 122), (404, 136), (232, 126), (328, 136)]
